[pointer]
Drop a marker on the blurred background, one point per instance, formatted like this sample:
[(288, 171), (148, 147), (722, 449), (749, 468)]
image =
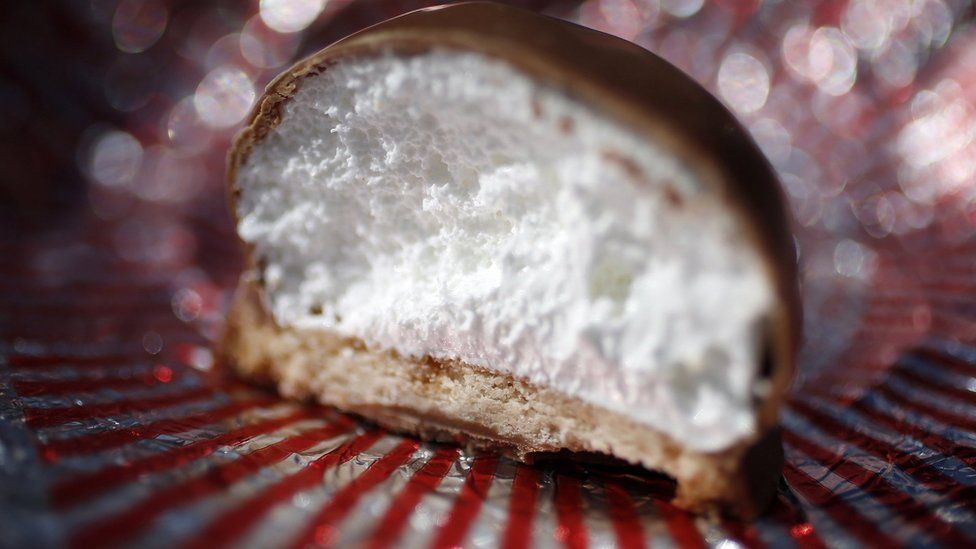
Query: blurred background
[(115, 116)]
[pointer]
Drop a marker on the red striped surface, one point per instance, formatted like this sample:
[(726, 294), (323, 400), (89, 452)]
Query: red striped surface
[(467, 504), (626, 522), (935, 441), (913, 405), (920, 470), (47, 417), (325, 526), (681, 526), (788, 516), (116, 528), (323, 529), (743, 533), (955, 408), (74, 361), (228, 526), (54, 449), (945, 361), (522, 503), (570, 530), (854, 524), (78, 488), (76, 386), (403, 504), (897, 501), (937, 386)]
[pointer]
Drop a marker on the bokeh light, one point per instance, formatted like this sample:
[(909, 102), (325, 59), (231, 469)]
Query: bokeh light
[(138, 24), (196, 29), (224, 96), (265, 48), (796, 51), (743, 82), (187, 304), (115, 158), (290, 15), (682, 8), (170, 175), (852, 259), (832, 61), (225, 51), (773, 138), (622, 18), (933, 22), (865, 24), (185, 128)]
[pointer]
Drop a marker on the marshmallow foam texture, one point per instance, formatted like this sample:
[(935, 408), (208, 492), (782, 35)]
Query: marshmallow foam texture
[(446, 204)]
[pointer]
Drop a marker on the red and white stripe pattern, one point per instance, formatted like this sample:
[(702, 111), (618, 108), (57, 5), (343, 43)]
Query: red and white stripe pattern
[(109, 444)]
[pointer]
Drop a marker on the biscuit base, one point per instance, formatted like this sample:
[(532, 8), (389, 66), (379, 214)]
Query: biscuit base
[(451, 401)]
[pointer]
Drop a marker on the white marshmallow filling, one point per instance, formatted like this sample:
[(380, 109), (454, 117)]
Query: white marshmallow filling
[(448, 205)]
